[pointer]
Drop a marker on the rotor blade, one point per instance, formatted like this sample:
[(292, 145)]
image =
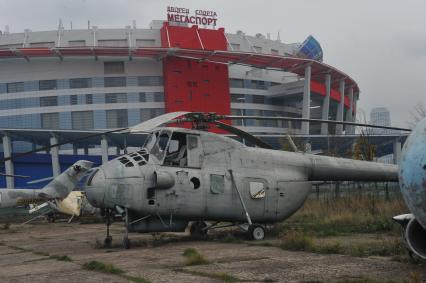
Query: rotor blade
[(38, 216), (16, 176), (38, 207), (292, 144), (147, 126), (60, 143), (40, 180), (142, 127), (312, 120), (243, 134)]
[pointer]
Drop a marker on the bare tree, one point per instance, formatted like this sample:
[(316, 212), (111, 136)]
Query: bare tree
[(364, 149), (417, 114)]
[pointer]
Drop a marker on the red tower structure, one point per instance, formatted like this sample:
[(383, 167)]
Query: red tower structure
[(190, 84)]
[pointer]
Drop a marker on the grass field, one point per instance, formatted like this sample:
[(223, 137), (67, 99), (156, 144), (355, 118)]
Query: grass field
[(354, 225)]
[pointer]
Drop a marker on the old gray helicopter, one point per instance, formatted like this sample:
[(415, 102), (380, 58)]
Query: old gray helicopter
[(412, 182), (182, 175)]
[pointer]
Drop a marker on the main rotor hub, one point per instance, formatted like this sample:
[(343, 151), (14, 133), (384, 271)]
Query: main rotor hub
[(201, 120)]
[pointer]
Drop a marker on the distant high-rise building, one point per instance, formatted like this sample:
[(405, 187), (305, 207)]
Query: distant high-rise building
[(380, 116)]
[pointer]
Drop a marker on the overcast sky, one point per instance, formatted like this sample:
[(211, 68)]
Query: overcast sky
[(379, 43)]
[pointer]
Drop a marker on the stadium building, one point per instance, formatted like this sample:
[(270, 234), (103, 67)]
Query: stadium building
[(72, 80), (107, 78)]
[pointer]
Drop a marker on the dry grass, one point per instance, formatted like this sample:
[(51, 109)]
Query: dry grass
[(193, 257), (323, 226), (331, 217)]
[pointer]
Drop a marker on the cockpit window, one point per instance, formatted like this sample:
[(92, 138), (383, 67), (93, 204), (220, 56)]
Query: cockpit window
[(150, 141), (159, 148), (162, 142), (177, 151)]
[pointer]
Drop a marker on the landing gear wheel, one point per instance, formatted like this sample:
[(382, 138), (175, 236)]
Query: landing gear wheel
[(126, 243), (51, 218), (108, 241), (198, 229), (256, 232)]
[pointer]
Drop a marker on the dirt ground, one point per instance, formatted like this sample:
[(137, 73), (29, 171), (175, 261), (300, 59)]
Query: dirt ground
[(26, 256)]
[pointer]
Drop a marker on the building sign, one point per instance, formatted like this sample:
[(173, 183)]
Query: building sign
[(199, 17)]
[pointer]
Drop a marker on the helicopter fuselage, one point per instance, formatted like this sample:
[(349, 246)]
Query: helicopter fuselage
[(216, 178)]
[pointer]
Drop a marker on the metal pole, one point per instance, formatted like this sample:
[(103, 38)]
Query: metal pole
[(306, 104), (104, 149), (7, 151), (326, 104), (340, 110), (54, 153), (349, 118)]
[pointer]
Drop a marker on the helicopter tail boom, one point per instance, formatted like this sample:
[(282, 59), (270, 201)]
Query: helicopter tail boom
[(339, 169)]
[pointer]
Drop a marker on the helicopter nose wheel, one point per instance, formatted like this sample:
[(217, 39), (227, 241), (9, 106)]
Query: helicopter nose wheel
[(108, 238), (256, 232), (198, 229), (126, 240)]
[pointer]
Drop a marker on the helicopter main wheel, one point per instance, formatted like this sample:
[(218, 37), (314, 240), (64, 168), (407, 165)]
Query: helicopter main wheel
[(51, 218), (256, 232), (198, 229), (108, 238), (126, 243), (108, 241)]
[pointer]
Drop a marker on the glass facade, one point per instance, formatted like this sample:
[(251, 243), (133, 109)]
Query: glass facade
[(82, 120), (50, 121), (115, 82), (48, 101), (47, 85), (117, 118), (15, 87), (54, 112), (81, 83)]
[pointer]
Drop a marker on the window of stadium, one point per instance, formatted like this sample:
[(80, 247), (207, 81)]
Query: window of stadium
[(80, 83), (113, 67), (47, 84), (49, 101), (150, 81), (15, 87), (115, 81)]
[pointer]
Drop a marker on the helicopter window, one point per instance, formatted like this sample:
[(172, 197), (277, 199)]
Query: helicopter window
[(176, 152), (162, 142), (174, 146), (137, 158), (150, 141), (141, 163), (192, 142), (217, 184), (257, 190), (130, 164), (194, 151), (158, 149), (89, 181)]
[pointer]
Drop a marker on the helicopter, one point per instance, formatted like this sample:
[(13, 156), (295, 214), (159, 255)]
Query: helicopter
[(56, 190), (75, 204), (412, 182), (192, 175)]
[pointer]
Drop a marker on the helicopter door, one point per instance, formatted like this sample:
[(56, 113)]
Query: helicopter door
[(194, 151), (290, 197)]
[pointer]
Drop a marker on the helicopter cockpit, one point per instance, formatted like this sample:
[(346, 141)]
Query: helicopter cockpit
[(174, 148)]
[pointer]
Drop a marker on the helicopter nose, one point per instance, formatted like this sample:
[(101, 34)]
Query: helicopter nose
[(412, 172), (95, 188)]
